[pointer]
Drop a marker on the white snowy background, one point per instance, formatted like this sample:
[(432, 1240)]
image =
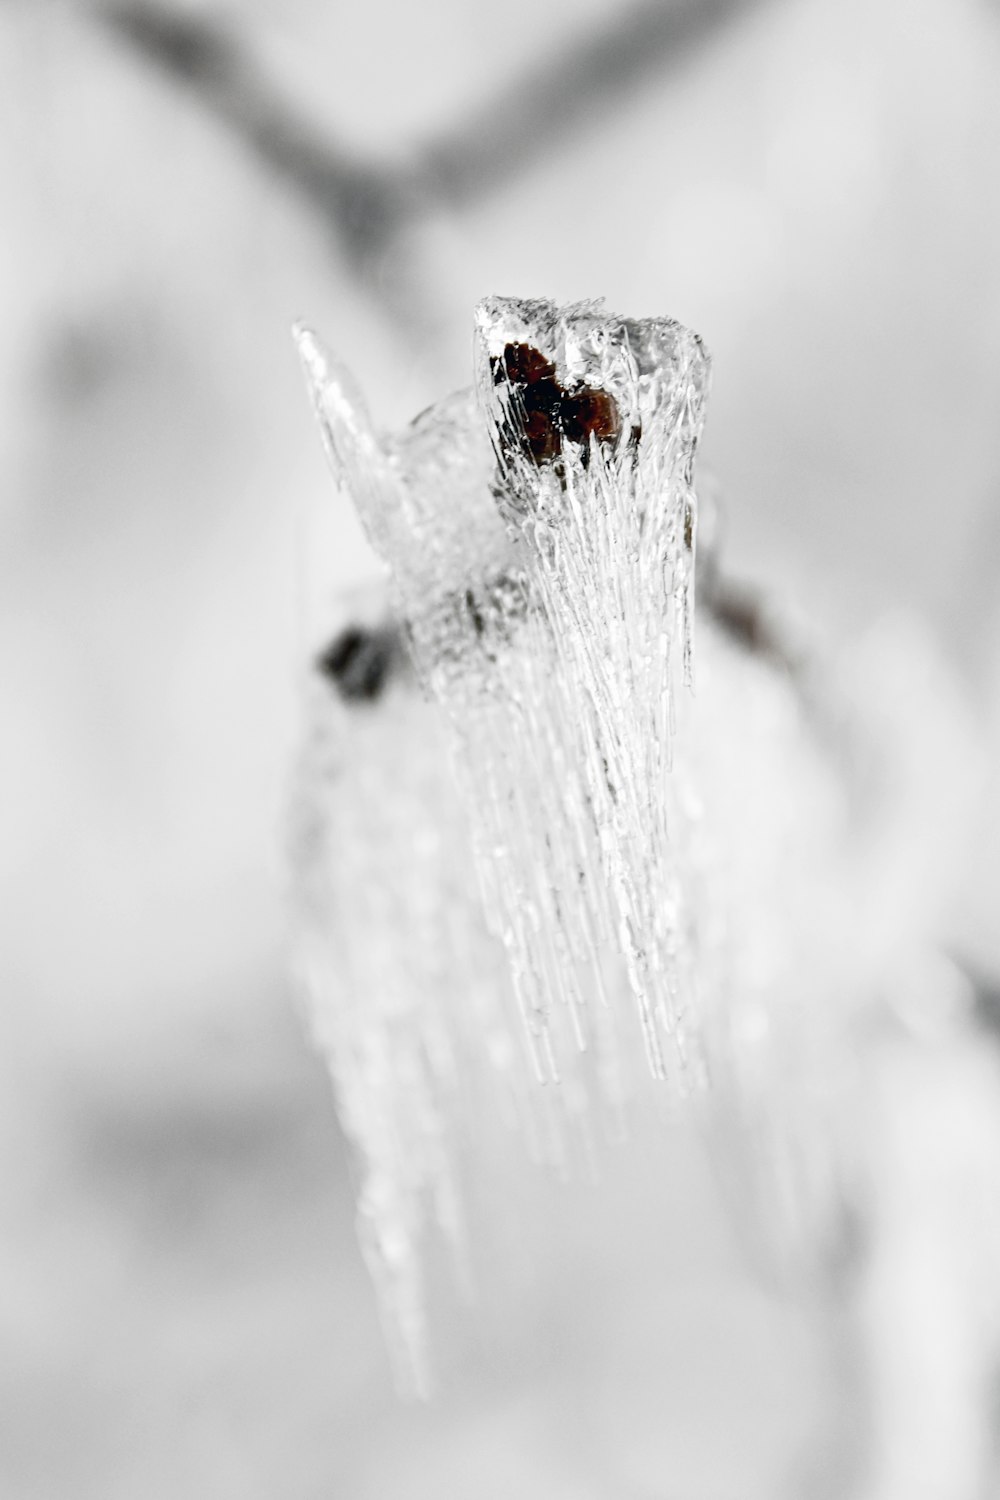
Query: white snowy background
[(814, 185)]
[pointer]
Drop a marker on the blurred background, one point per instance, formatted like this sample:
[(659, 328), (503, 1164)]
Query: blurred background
[(813, 185)]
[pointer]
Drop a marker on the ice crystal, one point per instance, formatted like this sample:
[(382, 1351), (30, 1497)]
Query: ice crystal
[(546, 585), (509, 866), (384, 859), (594, 446), (528, 853)]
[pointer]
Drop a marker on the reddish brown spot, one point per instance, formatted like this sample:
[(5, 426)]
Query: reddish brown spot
[(544, 396), (551, 413), (541, 435), (524, 365), (588, 411)]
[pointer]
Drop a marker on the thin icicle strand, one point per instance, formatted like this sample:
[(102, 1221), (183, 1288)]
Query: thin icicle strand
[(607, 535)]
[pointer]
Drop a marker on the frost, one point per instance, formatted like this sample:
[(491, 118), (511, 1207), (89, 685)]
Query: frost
[(595, 452), (384, 935), (545, 888), (505, 876), (547, 597)]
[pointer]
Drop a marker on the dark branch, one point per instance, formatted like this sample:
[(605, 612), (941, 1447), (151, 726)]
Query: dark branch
[(573, 88), (985, 996), (363, 205), (366, 205), (743, 615)]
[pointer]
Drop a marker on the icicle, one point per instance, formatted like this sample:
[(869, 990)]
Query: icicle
[(594, 421), (537, 877), (539, 603)]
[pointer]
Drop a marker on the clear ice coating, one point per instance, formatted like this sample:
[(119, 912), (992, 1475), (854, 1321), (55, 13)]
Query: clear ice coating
[(540, 535), (550, 880), (593, 421)]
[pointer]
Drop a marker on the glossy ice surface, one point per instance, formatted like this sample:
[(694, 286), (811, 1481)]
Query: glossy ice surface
[(561, 875)]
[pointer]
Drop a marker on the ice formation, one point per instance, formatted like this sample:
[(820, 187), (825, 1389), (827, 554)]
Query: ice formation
[(552, 879)]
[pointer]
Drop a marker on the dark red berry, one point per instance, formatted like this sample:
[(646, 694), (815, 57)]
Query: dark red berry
[(524, 365), (551, 413), (586, 411), (541, 435), (539, 403), (544, 396)]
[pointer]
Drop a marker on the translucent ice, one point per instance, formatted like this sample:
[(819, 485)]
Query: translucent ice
[(546, 587), (528, 852)]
